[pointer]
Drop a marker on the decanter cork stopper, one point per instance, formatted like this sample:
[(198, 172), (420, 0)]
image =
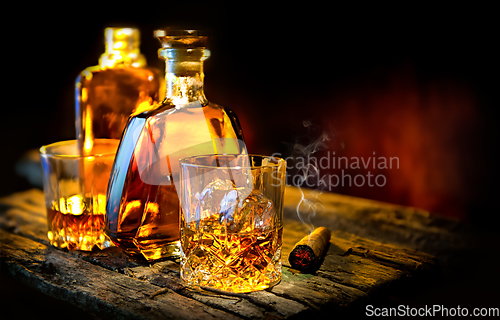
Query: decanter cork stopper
[(182, 38)]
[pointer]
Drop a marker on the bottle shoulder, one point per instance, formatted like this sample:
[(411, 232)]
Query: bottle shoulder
[(166, 108), (149, 74), (222, 121)]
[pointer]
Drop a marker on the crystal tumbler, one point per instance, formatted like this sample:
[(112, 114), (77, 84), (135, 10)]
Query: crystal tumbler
[(75, 193), (231, 221)]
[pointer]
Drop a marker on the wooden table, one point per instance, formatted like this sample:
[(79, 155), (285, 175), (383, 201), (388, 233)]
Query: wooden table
[(376, 249)]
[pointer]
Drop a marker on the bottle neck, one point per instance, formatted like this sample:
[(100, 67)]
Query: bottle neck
[(122, 48), (114, 58), (184, 75)]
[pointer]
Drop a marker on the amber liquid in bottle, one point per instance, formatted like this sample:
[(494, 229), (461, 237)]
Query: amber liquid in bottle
[(121, 85), (143, 205), (110, 96)]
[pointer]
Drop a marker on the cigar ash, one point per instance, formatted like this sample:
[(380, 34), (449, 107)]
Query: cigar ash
[(308, 253), (302, 257)]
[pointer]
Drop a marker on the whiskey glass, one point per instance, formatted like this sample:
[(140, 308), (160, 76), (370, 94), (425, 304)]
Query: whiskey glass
[(231, 221), (75, 193)]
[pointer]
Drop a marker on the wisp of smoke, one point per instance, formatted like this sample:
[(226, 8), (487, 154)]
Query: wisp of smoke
[(310, 169)]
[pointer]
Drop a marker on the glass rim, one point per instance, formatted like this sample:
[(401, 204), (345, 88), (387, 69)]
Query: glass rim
[(45, 151), (279, 160)]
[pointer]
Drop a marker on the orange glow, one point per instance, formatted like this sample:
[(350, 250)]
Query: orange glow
[(89, 138), (74, 224), (88, 74), (100, 202), (85, 95), (132, 205), (73, 205), (122, 45), (152, 208), (144, 105), (428, 126), (233, 262)]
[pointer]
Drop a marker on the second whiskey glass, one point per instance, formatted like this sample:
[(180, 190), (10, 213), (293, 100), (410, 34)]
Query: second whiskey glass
[(232, 221)]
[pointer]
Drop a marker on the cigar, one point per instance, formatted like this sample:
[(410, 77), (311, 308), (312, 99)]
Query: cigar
[(310, 249)]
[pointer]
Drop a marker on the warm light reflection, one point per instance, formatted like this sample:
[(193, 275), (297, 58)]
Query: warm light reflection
[(119, 45), (123, 32), (73, 205), (87, 74), (100, 203), (132, 205), (143, 106), (77, 205), (89, 138), (85, 95), (152, 207)]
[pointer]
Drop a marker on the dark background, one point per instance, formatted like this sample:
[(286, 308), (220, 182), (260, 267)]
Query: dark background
[(413, 82), (417, 82)]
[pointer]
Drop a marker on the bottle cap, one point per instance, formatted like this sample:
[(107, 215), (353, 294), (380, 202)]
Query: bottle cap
[(182, 38)]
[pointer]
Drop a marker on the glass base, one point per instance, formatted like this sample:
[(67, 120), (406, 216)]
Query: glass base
[(241, 288), (155, 251), (76, 232), (79, 242), (224, 280), (149, 249)]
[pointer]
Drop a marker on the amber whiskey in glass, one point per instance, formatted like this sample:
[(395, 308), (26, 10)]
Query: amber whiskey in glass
[(120, 85), (232, 221), (75, 188), (142, 211)]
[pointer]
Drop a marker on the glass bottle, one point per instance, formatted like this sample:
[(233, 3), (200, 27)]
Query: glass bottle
[(107, 94), (142, 199)]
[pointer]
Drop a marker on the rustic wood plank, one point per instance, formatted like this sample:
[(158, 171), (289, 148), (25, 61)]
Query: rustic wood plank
[(103, 292), (257, 305), (353, 270), (387, 223), (361, 264), (24, 213), (238, 304)]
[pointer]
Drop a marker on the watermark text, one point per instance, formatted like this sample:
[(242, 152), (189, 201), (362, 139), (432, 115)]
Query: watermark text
[(432, 311)]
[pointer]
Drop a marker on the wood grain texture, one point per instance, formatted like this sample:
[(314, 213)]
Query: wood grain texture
[(382, 222), (108, 283)]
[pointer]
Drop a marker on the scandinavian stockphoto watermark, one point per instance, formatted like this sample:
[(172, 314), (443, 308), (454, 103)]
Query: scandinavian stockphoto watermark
[(309, 170)]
